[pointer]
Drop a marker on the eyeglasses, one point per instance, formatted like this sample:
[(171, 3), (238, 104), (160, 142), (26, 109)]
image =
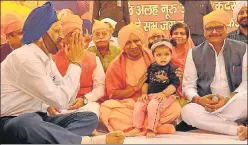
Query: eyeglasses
[(216, 28), (99, 34)]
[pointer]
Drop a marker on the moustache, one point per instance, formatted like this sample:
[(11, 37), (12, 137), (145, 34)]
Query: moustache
[(244, 18), (215, 35)]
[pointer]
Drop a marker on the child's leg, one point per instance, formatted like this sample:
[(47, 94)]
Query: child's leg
[(154, 111), (139, 114), (166, 103), (169, 115), (153, 114)]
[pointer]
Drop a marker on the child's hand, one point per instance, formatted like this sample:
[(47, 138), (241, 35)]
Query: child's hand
[(179, 74), (143, 98), (158, 96)]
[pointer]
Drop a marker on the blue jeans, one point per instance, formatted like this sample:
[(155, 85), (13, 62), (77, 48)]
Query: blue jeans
[(42, 129)]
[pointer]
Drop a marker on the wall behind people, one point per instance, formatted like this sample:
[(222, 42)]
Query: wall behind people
[(163, 14), (156, 14)]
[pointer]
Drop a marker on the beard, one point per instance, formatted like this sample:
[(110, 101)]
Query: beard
[(243, 24)]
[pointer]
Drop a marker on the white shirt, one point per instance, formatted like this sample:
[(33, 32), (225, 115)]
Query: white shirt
[(113, 41), (98, 90), (219, 84), (98, 78), (30, 78)]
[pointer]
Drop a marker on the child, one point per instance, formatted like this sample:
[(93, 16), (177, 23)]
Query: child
[(161, 80)]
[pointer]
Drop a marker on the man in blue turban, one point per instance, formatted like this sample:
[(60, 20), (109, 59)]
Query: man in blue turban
[(30, 82)]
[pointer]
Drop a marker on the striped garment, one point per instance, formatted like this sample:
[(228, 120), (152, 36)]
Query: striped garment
[(238, 35)]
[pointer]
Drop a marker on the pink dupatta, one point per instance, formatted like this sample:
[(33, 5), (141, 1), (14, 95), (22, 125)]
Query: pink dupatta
[(180, 60)]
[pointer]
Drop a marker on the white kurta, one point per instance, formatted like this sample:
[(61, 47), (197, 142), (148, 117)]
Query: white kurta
[(223, 119), (98, 78), (30, 78), (220, 82), (97, 92)]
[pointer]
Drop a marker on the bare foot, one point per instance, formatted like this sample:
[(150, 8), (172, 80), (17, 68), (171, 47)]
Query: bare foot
[(132, 132), (115, 137), (150, 134), (242, 132), (166, 129)]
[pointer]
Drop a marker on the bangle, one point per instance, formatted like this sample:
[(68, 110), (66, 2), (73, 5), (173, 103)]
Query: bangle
[(195, 99), (76, 63)]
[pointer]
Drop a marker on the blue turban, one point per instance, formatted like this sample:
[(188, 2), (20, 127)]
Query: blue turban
[(38, 23)]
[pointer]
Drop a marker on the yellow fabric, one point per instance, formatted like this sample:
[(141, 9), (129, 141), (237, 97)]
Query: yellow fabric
[(8, 7), (126, 31), (218, 16), (133, 72), (99, 25), (155, 31)]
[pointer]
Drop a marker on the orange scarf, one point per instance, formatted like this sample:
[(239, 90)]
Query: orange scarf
[(116, 73)]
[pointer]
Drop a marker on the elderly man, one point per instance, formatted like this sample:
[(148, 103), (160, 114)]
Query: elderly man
[(215, 80), (193, 14), (153, 35), (67, 12), (103, 49), (112, 24), (92, 78), (11, 30), (240, 15), (29, 79)]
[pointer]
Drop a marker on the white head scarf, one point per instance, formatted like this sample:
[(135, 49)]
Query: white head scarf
[(110, 21), (237, 8)]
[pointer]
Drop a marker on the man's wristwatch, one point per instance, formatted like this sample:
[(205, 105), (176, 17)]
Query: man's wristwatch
[(85, 100), (195, 99)]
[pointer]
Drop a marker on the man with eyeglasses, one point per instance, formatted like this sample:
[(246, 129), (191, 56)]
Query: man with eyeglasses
[(103, 48), (240, 15), (194, 11), (215, 80)]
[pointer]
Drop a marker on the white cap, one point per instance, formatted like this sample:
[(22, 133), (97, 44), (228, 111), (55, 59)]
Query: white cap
[(161, 43), (237, 8), (110, 21)]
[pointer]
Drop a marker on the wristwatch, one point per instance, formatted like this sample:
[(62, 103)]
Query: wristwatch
[(85, 100)]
